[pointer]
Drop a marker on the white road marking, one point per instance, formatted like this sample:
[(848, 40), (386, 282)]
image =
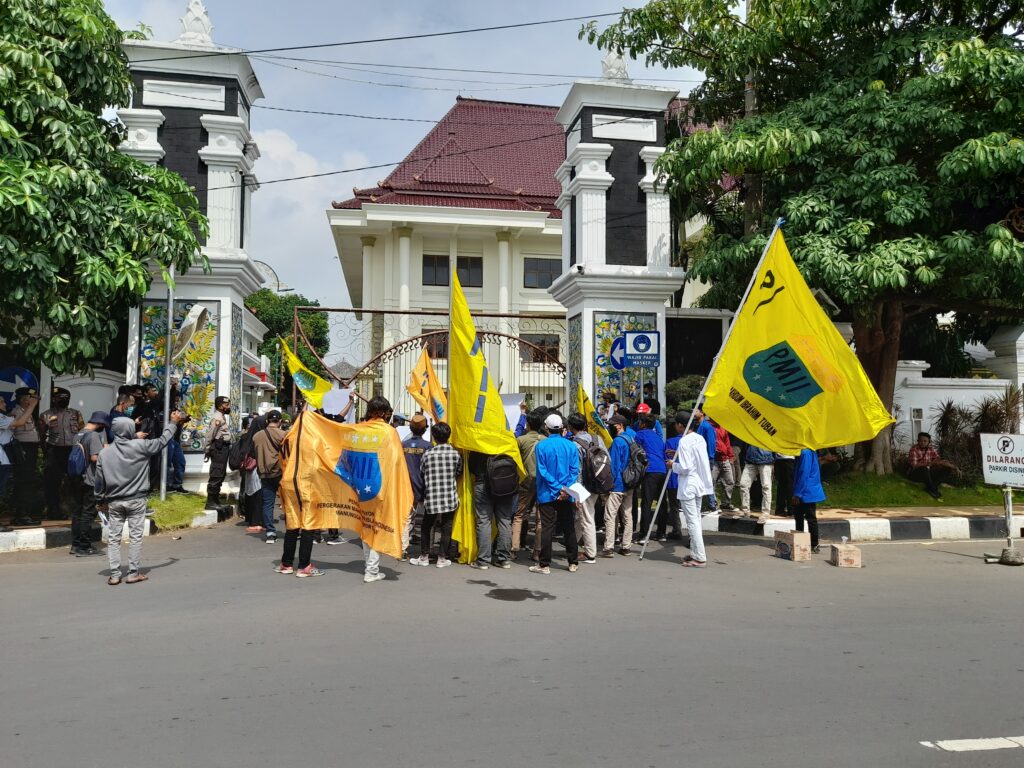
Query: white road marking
[(976, 745)]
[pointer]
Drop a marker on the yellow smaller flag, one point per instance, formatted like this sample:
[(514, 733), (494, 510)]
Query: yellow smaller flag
[(595, 425), (310, 385), (426, 389)]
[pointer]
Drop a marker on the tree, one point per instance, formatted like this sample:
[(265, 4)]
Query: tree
[(82, 226), (888, 136), (278, 313)]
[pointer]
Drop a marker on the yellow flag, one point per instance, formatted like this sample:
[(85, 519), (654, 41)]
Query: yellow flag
[(350, 476), (310, 385), (786, 379), (595, 425), (426, 389), (464, 526), (475, 412)]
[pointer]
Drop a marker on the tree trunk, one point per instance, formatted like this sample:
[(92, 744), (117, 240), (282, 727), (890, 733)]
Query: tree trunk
[(877, 336)]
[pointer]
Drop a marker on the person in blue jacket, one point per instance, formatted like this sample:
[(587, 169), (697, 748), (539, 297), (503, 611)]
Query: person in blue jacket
[(558, 467), (807, 493), (654, 446), (618, 504)]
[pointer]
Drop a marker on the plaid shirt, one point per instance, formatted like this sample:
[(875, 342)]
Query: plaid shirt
[(440, 470), (922, 457)]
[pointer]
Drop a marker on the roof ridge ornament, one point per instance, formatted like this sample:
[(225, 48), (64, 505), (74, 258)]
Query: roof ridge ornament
[(196, 26), (613, 66)]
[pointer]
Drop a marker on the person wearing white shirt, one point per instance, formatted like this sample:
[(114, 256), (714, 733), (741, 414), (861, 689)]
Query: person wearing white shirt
[(694, 470), (7, 426)]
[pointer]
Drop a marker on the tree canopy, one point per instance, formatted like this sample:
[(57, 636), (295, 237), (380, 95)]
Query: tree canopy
[(277, 313), (82, 226), (887, 134)]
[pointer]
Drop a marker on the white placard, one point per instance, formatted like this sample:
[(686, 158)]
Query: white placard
[(511, 405), (578, 492), (1002, 459)]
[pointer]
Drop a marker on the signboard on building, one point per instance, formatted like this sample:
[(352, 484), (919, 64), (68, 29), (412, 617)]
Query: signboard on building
[(1002, 459), (643, 349)]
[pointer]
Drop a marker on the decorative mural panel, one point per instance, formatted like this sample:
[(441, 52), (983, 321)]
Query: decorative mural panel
[(574, 360), (236, 368), (197, 367), (628, 383)]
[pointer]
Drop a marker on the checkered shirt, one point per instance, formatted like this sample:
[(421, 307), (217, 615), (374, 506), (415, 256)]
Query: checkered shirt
[(440, 469)]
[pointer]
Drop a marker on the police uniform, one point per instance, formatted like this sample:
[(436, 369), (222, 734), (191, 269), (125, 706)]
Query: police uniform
[(60, 425), (217, 445), (27, 500)]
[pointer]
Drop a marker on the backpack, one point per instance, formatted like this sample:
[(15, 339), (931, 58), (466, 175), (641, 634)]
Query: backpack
[(502, 475), (636, 467), (240, 454), (78, 462), (596, 468)]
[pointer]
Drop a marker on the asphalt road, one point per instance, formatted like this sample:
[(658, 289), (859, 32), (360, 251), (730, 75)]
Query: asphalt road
[(218, 661)]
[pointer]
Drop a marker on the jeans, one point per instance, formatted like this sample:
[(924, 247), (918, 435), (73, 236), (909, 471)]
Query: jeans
[(807, 511), (372, 559), (691, 515), (442, 521), (751, 472), (270, 486), (586, 528), (558, 513), (305, 542), (499, 508), (132, 512), (55, 471), (930, 477), (618, 506), (652, 485), (723, 470), (82, 520), (175, 464)]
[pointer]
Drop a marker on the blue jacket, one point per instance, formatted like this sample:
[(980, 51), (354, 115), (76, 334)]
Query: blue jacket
[(619, 454), (630, 433), (414, 447), (521, 426), (558, 467), (707, 431), (755, 455), (807, 478), (671, 446), (654, 446)]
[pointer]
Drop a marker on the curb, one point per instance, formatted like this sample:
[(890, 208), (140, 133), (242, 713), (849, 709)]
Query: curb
[(875, 528)]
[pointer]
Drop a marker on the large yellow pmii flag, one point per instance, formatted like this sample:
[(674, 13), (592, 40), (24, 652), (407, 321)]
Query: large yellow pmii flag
[(786, 379), (350, 476), (310, 385), (426, 389), (464, 525), (475, 412), (595, 425)]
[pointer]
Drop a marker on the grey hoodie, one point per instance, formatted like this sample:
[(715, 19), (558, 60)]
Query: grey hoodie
[(123, 466)]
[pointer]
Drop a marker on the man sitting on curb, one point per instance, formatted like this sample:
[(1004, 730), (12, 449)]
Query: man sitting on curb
[(122, 483), (928, 468)]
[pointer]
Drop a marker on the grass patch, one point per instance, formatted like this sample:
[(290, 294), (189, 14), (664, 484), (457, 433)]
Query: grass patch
[(177, 511), (855, 490)]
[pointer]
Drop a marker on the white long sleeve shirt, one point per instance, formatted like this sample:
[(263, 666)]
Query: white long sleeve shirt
[(693, 467)]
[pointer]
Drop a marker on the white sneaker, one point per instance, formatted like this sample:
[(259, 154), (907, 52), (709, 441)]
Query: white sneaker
[(762, 519), (370, 578), (443, 562), (421, 560)]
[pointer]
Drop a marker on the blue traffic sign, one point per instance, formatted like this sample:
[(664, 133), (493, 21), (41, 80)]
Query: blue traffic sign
[(15, 377), (642, 349), (617, 354)]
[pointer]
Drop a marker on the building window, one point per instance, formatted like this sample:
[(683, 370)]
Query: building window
[(437, 346), (540, 273), (471, 271), (435, 270), (546, 342)]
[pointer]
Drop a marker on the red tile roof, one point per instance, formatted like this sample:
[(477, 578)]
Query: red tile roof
[(482, 154)]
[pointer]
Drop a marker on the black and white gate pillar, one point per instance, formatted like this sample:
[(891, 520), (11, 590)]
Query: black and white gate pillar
[(617, 229)]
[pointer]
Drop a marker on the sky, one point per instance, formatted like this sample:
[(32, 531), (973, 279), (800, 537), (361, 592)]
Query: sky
[(289, 229)]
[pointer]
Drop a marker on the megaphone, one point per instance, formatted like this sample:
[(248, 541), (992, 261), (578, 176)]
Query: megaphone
[(194, 321)]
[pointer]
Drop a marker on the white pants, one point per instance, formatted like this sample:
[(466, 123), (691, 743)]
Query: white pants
[(372, 558), (586, 528), (752, 472), (689, 513)]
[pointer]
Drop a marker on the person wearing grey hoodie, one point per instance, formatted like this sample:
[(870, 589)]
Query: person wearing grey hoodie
[(122, 483)]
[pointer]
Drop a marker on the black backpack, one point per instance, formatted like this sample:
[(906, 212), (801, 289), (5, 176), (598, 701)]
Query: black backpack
[(635, 469), (596, 468), (239, 450), (502, 475)]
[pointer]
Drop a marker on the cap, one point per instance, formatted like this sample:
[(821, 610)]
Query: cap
[(643, 408), (617, 419), (60, 391), (100, 417), (553, 421), (418, 420), (273, 415), (23, 391)]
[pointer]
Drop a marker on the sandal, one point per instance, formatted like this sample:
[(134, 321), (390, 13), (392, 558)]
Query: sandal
[(254, 529), (114, 581), (136, 578), (695, 563)]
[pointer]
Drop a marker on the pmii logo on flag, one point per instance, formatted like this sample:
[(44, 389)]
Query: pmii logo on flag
[(790, 375), (303, 380), (360, 471)]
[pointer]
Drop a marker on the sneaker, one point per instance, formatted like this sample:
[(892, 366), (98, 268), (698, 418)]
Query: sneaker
[(369, 579), (404, 557), (479, 566), (762, 519), (573, 567), (662, 538), (443, 562), (333, 542), (625, 552), (590, 560), (539, 569), (816, 550), (271, 539), (85, 552), (287, 570), (607, 553), (309, 570), (423, 560), (504, 565)]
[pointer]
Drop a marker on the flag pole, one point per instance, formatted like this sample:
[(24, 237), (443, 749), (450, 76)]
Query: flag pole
[(750, 286)]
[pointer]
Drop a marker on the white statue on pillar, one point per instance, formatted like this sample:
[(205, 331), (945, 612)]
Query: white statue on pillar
[(613, 66), (196, 26)]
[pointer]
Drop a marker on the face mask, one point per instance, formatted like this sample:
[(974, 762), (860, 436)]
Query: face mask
[(129, 410)]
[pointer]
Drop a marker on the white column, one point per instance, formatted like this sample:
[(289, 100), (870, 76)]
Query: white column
[(228, 159), (368, 241), (131, 374), (504, 270), (404, 257), (564, 203), (659, 217), (141, 131), (589, 186)]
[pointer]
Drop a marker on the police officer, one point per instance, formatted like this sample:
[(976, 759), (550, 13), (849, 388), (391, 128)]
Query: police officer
[(26, 472), (60, 424), (216, 447)]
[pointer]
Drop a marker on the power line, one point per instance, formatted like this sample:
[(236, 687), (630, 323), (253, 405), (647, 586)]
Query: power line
[(397, 38)]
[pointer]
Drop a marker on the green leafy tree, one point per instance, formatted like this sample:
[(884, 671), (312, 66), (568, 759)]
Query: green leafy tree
[(889, 136), (278, 313), (83, 227)]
